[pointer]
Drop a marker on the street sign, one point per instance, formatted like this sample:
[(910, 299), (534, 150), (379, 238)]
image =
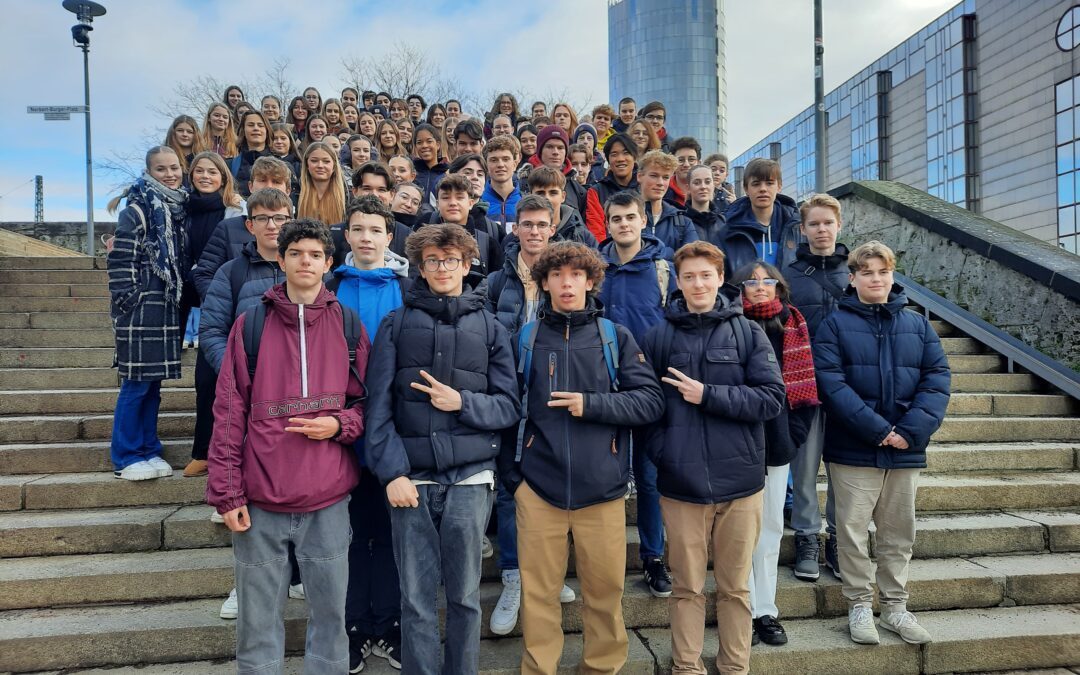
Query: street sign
[(55, 109), (57, 117)]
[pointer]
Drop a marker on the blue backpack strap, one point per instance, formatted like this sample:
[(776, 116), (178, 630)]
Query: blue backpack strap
[(526, 340), (254, 320), (610, 341), (234, 165)]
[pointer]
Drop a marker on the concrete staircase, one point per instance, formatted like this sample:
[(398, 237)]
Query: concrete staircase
[(96, 572)]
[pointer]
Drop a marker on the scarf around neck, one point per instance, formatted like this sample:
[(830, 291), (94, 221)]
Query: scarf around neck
[(164, 245), (797, 365)]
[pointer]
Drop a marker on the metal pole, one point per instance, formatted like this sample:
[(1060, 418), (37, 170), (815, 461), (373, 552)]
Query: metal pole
[(89, 156), (820, 159)]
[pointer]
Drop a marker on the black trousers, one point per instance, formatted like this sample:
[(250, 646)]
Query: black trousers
[(205, 388), (373, 601)]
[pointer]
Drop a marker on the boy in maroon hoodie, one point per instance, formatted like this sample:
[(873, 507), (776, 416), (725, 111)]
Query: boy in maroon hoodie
[(280, 462)]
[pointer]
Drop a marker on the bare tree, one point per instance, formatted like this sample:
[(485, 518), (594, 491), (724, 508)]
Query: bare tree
[(274, 82), (405, 70)]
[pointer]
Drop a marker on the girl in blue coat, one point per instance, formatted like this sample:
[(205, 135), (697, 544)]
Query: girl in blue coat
[(884, 381)]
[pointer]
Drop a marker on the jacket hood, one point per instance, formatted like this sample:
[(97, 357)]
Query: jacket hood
[(741, 212), (725, 308), (837, 259), (396, 266), (894, 305), (446, 308), (535, 161), (651, 249), (609, 181), (277, 300), (703, 218)]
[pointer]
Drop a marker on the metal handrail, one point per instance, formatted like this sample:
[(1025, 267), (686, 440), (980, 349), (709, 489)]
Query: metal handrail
[(1015, 351)]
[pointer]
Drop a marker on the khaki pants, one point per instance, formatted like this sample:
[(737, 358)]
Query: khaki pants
[(600, 549), (733, 527), (886, 496)]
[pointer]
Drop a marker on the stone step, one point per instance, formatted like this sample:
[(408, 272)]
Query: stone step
[(77, 457), (46, 263), (61, 428), (976, 363), (21, 337), (184, 631), (64, 320), (961, 345), (1007, 429), (994, 383), (31, 290), (116, 530), (61, 401), (994, 639), (55, 357), (37, 379), (1009, 405), (43, 276), (102, 489), (943, 329), (65, 305)]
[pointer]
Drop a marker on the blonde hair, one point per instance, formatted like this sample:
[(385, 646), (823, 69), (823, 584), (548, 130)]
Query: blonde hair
[(196, 142), (822, 200), (661, 159), (114, 203), (398, 148), (573, 115), (861, 256), (228, 183), (330, 208), (228, 138)]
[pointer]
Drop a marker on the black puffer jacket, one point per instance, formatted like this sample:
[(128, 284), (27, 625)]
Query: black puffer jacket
[(506, 294), (710, 225), (460, 344), (713, 452), (226, 243), (803, 275), (574, 462)]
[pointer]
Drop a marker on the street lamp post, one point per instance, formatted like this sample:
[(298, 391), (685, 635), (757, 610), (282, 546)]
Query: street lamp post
[(85, 11)]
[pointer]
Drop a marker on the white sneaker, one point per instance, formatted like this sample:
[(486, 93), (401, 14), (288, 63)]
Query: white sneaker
[(861, 625), (216, 517), (230, 608), (164, 469), (137, 471), (566, 594), (505, 615), (297, 591), (905, 625), (486, 549)]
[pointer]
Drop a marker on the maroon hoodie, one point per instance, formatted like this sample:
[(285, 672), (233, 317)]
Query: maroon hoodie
[(304, 373)]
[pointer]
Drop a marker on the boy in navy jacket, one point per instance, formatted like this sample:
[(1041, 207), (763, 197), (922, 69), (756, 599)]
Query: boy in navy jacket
[(884, 380), (586, 384)]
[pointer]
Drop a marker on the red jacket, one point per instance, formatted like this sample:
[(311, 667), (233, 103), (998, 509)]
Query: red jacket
[(304, 373)]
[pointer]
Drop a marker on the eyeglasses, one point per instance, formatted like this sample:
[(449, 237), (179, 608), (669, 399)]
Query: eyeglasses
[(449, 264), (279, 219), (534, 226), (655, 118), (754, 283)]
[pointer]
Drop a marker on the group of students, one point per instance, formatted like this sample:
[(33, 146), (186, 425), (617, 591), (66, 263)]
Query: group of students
[(503, 336)]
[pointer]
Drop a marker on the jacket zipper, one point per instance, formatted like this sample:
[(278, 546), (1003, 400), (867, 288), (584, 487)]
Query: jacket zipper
[(566, 424), (303, 355), (704, 435)]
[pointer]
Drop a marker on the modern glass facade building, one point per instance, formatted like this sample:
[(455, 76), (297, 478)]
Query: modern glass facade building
[(978, 108), (671, 51)]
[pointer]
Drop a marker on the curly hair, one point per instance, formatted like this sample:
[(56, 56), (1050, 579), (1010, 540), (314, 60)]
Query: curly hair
[(441, 236), (305, 228), (569, 254)]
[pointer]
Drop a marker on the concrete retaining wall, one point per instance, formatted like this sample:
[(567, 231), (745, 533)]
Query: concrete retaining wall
[(69, 234)]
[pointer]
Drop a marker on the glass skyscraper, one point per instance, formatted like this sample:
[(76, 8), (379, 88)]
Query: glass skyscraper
[(671, 51)]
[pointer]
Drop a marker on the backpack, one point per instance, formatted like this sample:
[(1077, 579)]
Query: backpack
[(819, 276), (255, 321), (663, 279), (667, 336), (527, 339)]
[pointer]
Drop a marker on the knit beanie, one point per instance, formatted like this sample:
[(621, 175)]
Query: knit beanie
[(549, 132)]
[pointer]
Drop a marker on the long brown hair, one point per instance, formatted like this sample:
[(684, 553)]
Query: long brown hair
[(228, 138), (228, 183), (398, 149), (196, 142), (330, 208)]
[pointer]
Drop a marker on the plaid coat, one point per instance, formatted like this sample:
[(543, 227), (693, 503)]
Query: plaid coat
[(146, 319)]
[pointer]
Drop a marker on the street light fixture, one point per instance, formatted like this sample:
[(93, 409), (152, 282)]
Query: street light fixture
[(85, 11)]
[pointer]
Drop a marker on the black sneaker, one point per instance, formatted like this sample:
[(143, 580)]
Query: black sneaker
[(831, 559), (359, 648), (754, 637), (658, 578), (806, 557), (389, 647), (770, 631)]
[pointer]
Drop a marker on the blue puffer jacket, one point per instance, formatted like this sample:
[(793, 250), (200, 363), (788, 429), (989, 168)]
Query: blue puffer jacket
[(502, 211), (745, 238), (713, 452), (672, 227), (631, 292), (879, 367), (219, 311), (228, 240), (802, 275)]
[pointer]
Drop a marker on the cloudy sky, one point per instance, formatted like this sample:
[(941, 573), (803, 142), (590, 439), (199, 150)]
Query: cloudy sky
[(142, 48)]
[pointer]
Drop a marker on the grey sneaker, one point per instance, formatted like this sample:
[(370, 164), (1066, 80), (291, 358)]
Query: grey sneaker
[(905, 625), (806, 557), (832, 559), (861, 624)]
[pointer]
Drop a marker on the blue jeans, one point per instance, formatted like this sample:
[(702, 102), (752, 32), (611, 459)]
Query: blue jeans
[(805, 512), (321, 539), (134, 433), (650, 523), (441, 538), (506, 516)]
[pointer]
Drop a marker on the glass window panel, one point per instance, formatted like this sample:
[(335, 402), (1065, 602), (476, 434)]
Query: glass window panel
[(959, 196), (1068, 243), (933, 172), (1064, 127), (1065, 158), (956, 32), (1066, 221), (1076, 90), (1066, 192), (957, 133), (1064, 95)]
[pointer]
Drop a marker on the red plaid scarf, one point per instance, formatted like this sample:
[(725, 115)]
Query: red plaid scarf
[(797, 366)]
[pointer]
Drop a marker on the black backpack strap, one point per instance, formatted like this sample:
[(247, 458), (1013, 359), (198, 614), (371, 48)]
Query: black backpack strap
[(396, 323), (667, 337), (820, 278), (254, 320), (353, 329), (744, 338), (237, 277)]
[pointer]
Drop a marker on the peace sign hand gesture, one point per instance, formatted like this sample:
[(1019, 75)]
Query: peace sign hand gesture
[(443, 397), (692, 391)]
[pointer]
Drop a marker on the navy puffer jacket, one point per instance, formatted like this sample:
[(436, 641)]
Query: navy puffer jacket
[(672, 227), (879, 367), (713, 452), (460, 344), (226, 243), (802, 275), (744, 234)]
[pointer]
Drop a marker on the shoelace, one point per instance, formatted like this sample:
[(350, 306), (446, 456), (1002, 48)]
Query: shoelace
[(659, 570), (808, 552), (506, 600), (862, 616), (904, 620)]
